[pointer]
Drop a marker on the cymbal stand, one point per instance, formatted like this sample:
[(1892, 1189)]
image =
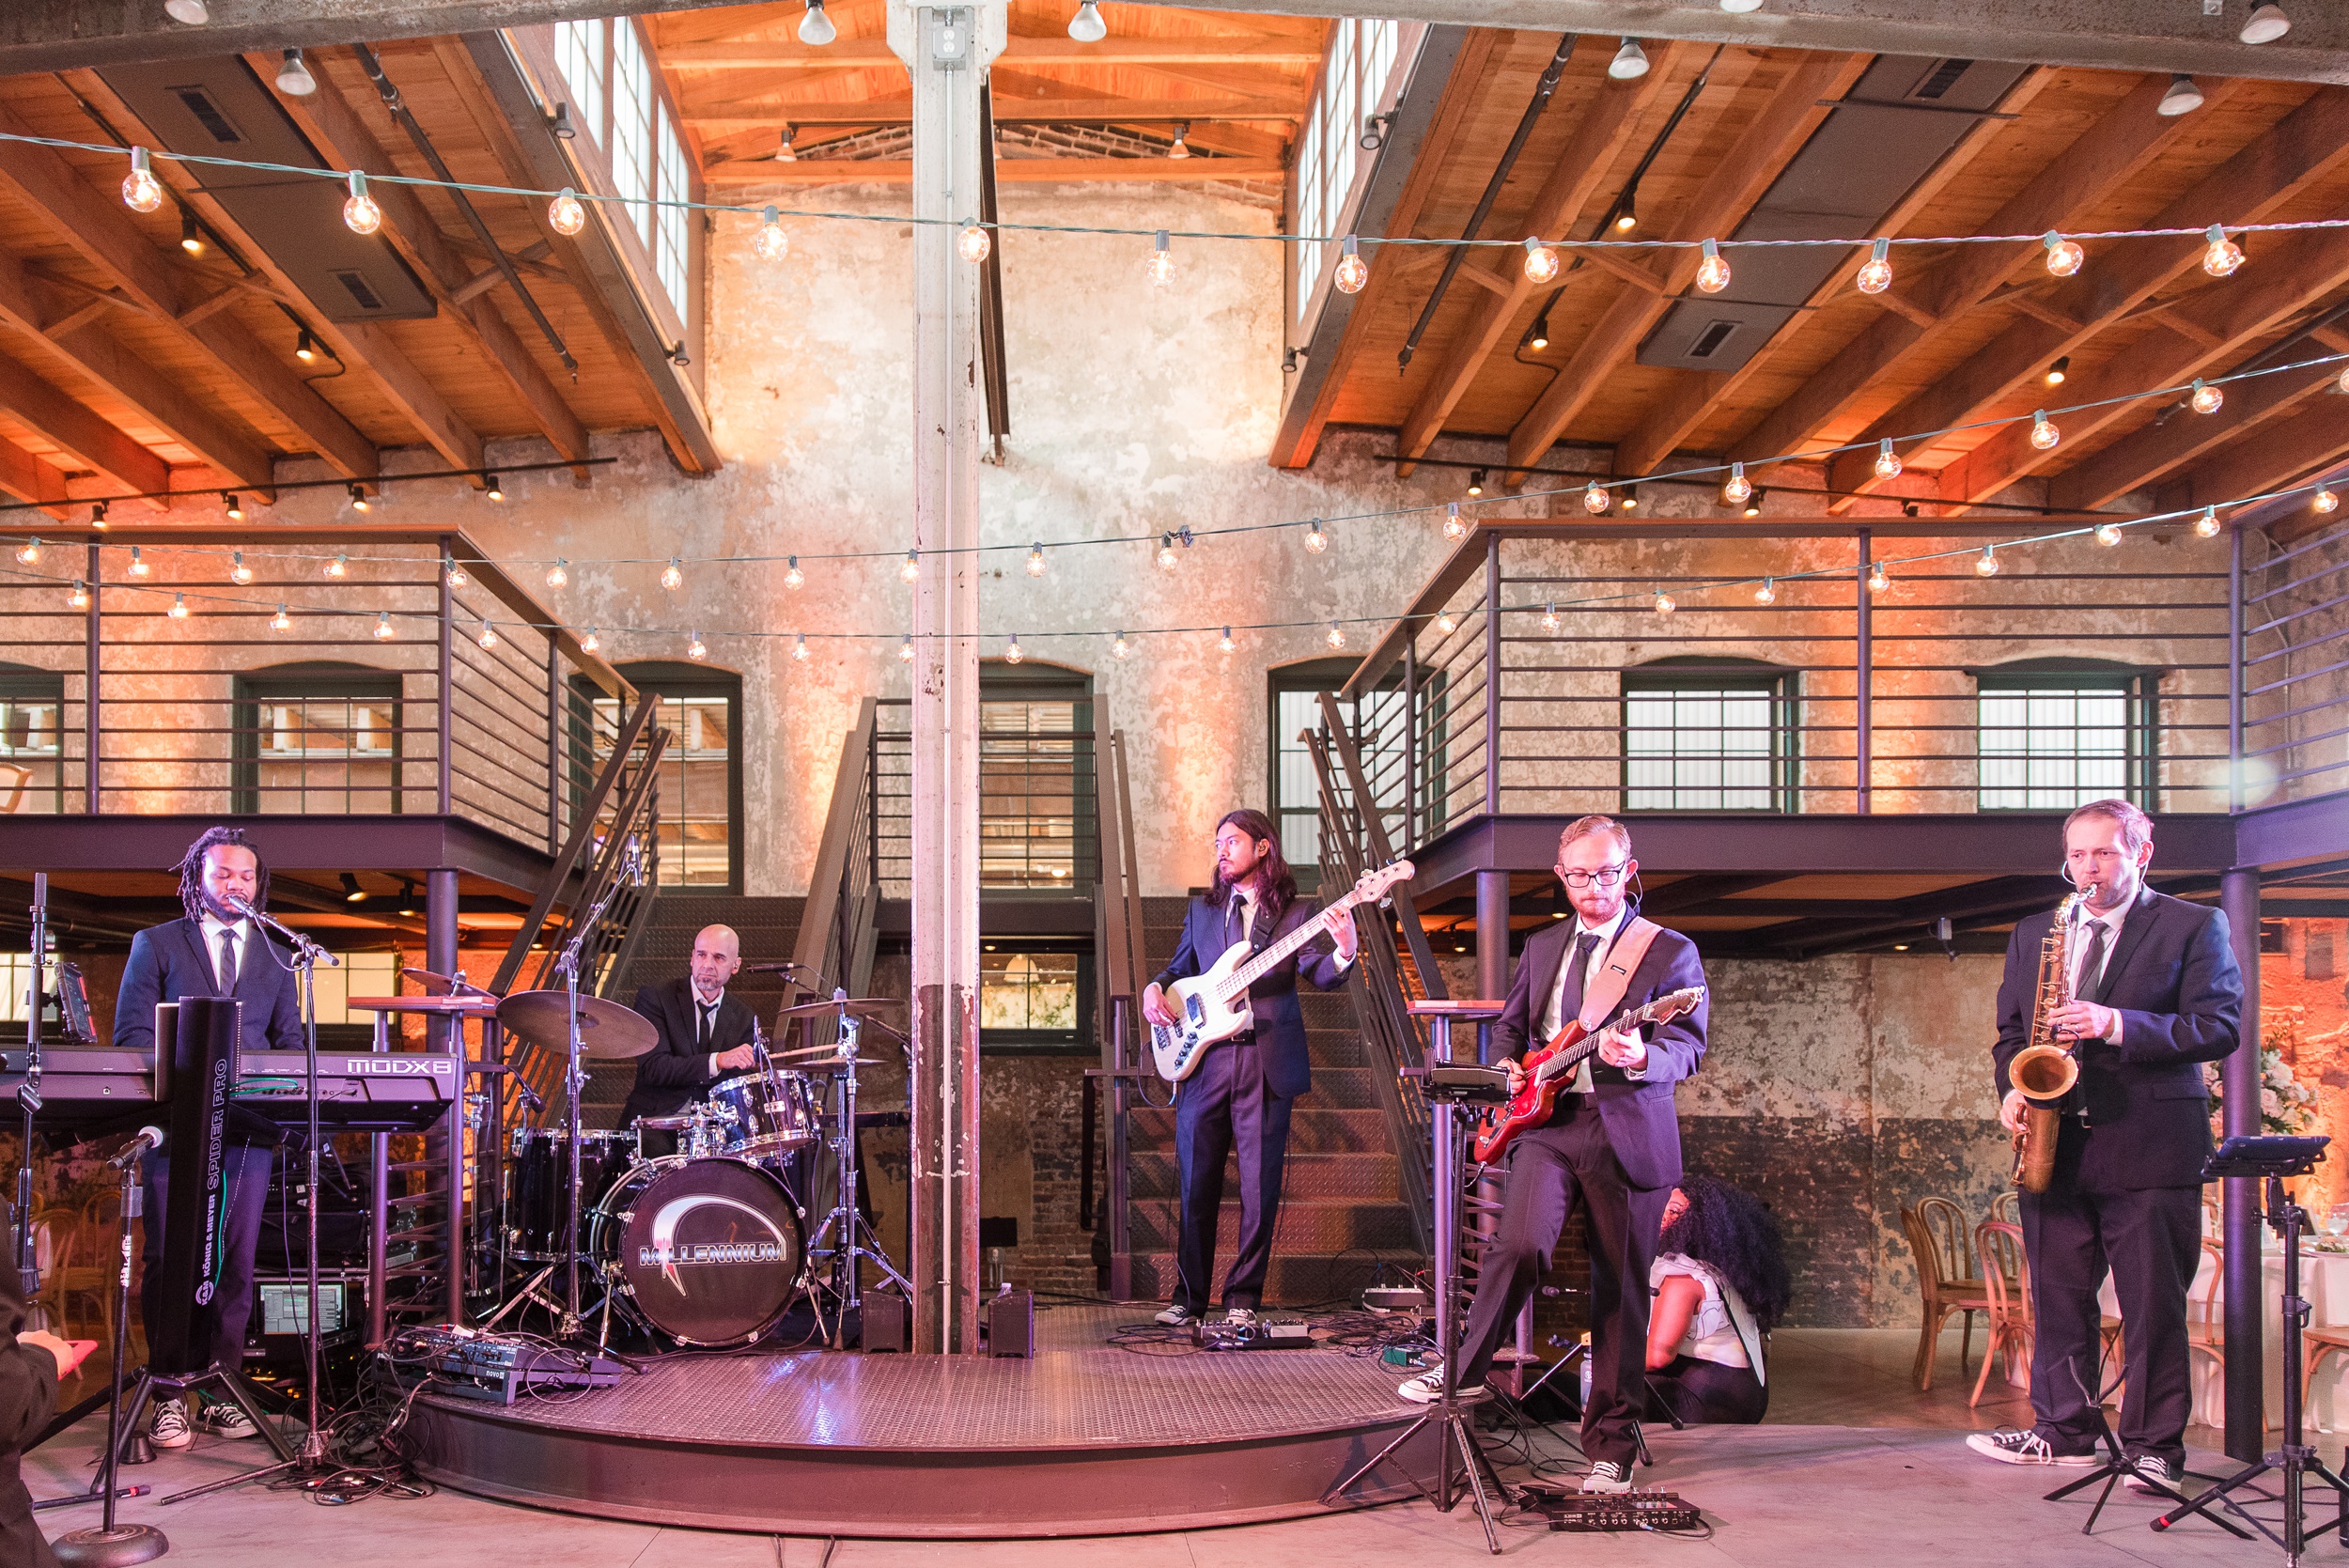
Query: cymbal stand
[(569, 1320), (28, 1101), (857, 1241)]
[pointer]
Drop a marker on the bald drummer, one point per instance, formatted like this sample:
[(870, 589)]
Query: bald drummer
[(705, 1035)]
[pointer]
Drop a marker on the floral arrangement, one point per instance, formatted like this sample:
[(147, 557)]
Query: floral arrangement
[(2287, 1106)]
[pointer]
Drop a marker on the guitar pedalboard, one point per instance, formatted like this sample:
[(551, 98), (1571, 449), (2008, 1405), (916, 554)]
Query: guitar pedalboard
[(1593, 1512)]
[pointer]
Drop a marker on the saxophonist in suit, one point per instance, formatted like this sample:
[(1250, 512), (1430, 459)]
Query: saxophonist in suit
[(2154, 994)]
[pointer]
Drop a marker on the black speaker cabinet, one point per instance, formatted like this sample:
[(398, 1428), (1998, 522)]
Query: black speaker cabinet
[(1011, 1324), (888, 1322)]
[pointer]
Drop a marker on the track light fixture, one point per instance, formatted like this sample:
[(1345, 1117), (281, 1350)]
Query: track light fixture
[(815, 29), (191, 238), (293, 77), (2182, 98), (1630, 62), (188, 13), (352, 892), (2265, 25), (1086, 27)]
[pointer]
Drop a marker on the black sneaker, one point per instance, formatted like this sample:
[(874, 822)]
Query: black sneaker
[(2023, 1446), (2154, 1477)]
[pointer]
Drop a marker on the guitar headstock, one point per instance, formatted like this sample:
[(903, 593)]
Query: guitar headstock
[(1671, 1005), (1376, 884)]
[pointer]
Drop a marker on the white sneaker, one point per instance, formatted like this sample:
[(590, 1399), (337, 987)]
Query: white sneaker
[(1177, 1315), (226, 1421), (167, 1425), (1427, 1387), (1605, 1475), (1238, 1317)]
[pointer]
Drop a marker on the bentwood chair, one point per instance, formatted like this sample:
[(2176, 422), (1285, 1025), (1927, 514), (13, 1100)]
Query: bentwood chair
[(2006, 1280), (2205, 1322), (2007, 1208), (1946, 1283)]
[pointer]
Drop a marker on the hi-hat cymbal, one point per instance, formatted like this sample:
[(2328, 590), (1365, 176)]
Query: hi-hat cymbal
[(607, 1031), (859, 1007)]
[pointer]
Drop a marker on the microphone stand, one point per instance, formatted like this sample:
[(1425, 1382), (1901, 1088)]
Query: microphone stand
[(112, 1545), (28, 1100)]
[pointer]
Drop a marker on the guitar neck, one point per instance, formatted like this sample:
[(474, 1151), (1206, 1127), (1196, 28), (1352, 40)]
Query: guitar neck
[(1566, 1061), (1257, 968)]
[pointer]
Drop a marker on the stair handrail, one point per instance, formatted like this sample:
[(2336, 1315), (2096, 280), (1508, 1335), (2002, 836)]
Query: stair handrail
[(1117, 921), (838, 923)]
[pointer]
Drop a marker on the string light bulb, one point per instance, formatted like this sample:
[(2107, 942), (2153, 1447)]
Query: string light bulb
[(138, 563), (793, 578), (590, 642), (383, 629), (1455, 527), (2221, 256), (972, 243), (238, 573), (1447, 623), (1120, 648), (281, 621), (1664, 605), (2043, 435), (454, 573), (1875, 273), (78, 598), (1888, 460), (566, 214), (1224, 644), (559, 573), (360, 213), (488, 637), (772, 242), (2206, 397), (1336, 635), (1352, 272), (909, 570), (178, 611), (1549, 616), (1595, 497), (2064, 256), (1541, 262), (698, 650), (2207, 526), (1316, 540), (1879, 579), (905, 649), (1713, 271), (28, 553), (1166, 553), (140, 191), (1987, 563), (1767, 593), (1012, 654), (339, 567), (673, 575), (1161, 267), (2324, 501), (2108, 534), (1737, 486)]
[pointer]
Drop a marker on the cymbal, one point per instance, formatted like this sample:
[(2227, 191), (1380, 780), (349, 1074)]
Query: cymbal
[(607, 1031), (859, 1007), (434, 984)]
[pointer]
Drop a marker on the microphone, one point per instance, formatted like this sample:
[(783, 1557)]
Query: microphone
[(236, 904), (148, 1138)]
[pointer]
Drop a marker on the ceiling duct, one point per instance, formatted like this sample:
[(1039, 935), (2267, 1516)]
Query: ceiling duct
[(1899, 121), (218, 107)]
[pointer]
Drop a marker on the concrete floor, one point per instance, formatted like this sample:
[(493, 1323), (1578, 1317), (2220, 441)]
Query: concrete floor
[(1851, 1466)]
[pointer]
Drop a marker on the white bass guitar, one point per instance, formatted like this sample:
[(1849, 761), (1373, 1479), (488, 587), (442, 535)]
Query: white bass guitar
[(1214, 1006)]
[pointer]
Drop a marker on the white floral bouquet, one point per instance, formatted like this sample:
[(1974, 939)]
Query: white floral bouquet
[(2287, 1106)]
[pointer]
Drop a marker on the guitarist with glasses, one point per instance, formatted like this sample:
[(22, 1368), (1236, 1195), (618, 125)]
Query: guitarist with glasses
[(1240, 1090), (1611, 1142)]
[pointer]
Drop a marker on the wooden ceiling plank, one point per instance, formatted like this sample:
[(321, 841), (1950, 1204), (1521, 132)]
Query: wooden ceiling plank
[(2304, 145), (1008, 171), (1777, 133), (2294, 273), (31, 477), (777, 56), (343, 136), (81, 430), (2119, 145), (1608, 124), (1009, 111), (2276, 457), (99, 227), (1695, 396)]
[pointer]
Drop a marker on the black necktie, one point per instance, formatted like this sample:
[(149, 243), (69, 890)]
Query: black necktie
[(228, 961), (707, 1011), (1570, 999), (2092, 963)]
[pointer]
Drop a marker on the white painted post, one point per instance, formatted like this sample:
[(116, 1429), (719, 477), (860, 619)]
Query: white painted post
[(946, 48)]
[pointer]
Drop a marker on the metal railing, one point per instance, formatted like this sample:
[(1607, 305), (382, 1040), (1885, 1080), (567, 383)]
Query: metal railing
[(1557, 669), (842, 913), (1125, 973), (353, 673), (1039, 816)]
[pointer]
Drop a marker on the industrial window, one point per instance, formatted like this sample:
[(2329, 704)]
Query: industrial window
[(631, 146), (1034, 998), (1037, 781), (2052, 736), (311, 739), (32, 741), (1353, 86), (1292, 703), (673, 253), (1709, 735), (701, 772), (580, 53)]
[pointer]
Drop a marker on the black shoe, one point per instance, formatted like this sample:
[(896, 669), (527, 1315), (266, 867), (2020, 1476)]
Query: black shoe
[(2156, 1477), (2023, 1446)]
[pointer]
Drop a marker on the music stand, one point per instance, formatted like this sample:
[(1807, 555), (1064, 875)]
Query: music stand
[(2270, 1161), (1448, 1412)]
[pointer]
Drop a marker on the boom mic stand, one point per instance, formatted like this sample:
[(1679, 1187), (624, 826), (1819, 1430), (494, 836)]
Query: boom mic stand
[(114, 1545)]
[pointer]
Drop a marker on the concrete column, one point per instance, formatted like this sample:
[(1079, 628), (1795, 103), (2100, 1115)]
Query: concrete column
[(2246, 1298), (946, 48)]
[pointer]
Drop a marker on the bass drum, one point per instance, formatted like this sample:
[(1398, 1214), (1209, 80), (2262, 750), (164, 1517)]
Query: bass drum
[(706, 1251), (537, 1184)]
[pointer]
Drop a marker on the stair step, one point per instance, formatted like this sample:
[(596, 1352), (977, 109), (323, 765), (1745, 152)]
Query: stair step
[(1313, 1130), (1352, 1177), (1303, 1225)]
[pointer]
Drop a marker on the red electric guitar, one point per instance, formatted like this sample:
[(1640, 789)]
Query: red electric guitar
[(1549, 1070)]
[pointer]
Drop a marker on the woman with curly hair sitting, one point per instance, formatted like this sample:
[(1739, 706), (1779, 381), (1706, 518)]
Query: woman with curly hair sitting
[(1720, 1284)]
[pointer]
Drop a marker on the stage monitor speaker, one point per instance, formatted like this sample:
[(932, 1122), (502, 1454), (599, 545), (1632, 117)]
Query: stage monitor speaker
[(888, 1322), (1011, 1324), (198, 1037)]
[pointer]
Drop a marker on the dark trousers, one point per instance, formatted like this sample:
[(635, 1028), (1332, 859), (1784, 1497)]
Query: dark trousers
[(2151, 1241), (1227, 1105), (1551, 1167), (246, 1169), (1706, 1393)]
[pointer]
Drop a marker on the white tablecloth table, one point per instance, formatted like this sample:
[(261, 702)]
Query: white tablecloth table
[(2324, 1286)]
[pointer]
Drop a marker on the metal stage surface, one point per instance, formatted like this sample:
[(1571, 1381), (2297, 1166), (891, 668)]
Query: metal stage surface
[(1085, 1440)]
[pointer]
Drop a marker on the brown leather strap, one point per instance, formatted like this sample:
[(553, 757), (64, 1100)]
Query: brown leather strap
[(1603, 993)]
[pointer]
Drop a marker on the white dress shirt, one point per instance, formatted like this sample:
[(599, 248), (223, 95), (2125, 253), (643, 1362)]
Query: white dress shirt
[(699, 1030), (238, 932), (2081, 936), (1551, 1019)]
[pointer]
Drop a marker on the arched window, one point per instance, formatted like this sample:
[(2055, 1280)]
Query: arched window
[(1707, 733)]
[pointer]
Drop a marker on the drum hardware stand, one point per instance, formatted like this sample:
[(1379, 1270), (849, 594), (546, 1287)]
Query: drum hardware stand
[(857, 1241), (2270, 1161), (570, 1324), (114, 1545), (1453, 1417), (310, 1460), (28, 1101)]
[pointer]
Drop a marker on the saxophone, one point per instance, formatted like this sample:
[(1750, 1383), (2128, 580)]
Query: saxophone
[(2044, 1070)]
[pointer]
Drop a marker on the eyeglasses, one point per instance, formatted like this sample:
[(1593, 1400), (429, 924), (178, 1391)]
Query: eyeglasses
[(1606, 876)]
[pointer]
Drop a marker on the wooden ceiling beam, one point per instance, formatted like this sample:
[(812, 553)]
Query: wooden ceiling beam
[(81, 430), (2119, 145), (1008, 171), (1016, 111), (2228, 317), (2304, 145), (2279, 455), (30, 476), (777, 56), (1609, 122), (1796, 109), (344, 137)]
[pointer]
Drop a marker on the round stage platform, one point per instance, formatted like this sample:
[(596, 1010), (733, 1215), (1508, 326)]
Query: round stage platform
[(1085, 1440)]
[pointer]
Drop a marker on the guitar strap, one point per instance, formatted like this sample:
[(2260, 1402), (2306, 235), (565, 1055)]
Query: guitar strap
[(1604, 992)]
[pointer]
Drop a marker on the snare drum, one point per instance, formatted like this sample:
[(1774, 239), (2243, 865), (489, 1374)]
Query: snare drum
[(766, 1114), (539, 1178)]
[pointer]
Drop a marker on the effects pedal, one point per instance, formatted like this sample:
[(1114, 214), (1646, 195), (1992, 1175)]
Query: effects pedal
[(1592, 1513)]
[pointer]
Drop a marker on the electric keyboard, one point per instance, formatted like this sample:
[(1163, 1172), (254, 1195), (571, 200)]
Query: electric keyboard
[(359, 1091)]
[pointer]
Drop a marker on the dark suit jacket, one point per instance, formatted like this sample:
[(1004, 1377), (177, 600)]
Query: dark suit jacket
[(28, 1393), (2172, 978), (1280, 1022), (1642, 1122), (168, 962), (677, 1069)]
